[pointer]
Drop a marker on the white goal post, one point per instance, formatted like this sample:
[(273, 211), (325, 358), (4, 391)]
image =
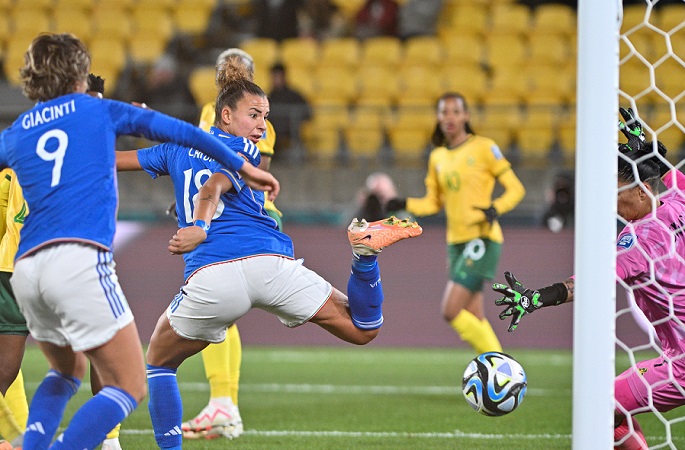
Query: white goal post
[(595, 224)]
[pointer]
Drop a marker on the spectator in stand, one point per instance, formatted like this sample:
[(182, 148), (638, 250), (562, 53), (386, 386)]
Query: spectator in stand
[(277, 19), (288, 109), (321, 20), (418, 18), (167, 91), (372, 197), (376, 18)]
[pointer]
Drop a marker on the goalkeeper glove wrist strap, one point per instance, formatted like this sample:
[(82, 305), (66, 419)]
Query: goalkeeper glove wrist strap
[(553, 295)]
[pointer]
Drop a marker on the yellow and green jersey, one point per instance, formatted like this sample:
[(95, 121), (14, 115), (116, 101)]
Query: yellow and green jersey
[(265, 144), (13, 211), (462, 180)]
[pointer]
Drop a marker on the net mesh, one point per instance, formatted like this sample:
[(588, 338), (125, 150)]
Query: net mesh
[(651, 307)]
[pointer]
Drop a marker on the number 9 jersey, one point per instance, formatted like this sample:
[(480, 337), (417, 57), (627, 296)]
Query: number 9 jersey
[(62, 152)]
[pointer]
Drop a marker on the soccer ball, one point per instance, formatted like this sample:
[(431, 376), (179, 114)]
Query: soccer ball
[(494, 384)]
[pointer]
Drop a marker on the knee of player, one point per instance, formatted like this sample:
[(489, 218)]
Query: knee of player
[(364, 336)]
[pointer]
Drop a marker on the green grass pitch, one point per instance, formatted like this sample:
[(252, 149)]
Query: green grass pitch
[(372, 398)]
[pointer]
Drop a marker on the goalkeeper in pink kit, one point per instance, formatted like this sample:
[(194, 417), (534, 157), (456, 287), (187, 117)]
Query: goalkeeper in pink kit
[(650, 259)]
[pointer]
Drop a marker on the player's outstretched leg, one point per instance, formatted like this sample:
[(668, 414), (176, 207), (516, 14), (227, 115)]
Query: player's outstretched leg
[(370, 238), (364, 288)]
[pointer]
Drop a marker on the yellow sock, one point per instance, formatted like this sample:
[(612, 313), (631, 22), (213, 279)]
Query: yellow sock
[(216, 360), (235, 358), (476, 332), (16, 400), (115, 432), (489, 339), (14, 410)]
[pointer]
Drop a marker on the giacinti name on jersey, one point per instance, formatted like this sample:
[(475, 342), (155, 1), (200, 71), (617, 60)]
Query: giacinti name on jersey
[(47, 114)]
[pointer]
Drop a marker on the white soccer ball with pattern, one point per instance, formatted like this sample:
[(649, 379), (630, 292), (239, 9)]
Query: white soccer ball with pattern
[(494, 384)]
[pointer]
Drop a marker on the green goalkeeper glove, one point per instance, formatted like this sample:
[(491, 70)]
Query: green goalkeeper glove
[(518, 299), (632, 129)]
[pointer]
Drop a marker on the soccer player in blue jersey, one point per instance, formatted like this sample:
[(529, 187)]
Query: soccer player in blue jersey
[(237, 259), (62, 151)]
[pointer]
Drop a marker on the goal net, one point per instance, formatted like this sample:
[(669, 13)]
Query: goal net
[(652, 82)]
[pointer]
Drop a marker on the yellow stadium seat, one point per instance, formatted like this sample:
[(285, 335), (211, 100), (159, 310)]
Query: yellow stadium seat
[(191, 19), (421, 117), (506, 115), (635, 16), (168, 5), (535, 142), (108, 55), (506, 51), (300, 52), (469, 18), (669, 77), (321, 143), (468, 80), (28, 22), (548, 49), (335, 82), (502, 136), (302, 80), (85, 5), (32, 5), (373, 112), (146, 46), (510, 18), (634, 80), (149, 19), (462, 49), (671, 16), (75, 21), (551, 18), (111, 23), (423, 51), (202, 84), (377, 82), (408, 143), (507, 85), (349, 8), (384, 50), (264, 51), (14, 57), (363, 141), (340, 52), (418, 82), (330, 113), (548, 84)]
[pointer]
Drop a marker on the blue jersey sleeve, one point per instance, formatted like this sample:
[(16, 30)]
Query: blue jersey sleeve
[(132, 120), (155, 160)]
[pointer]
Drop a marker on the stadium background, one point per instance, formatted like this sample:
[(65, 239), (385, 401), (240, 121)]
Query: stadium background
[(373, 109)]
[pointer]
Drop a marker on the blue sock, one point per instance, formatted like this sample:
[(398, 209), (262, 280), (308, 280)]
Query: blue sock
[(47, 408), (91, 423), (365, 292), (166, 409)]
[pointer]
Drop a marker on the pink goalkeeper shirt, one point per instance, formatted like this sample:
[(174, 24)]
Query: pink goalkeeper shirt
[(651, 260)]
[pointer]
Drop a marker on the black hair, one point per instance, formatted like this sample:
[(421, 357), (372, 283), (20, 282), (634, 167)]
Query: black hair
[(638, 166), (96, 83), (438, 138)]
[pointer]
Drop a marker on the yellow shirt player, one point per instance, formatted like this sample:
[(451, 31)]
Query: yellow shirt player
[(462, 173), (14, 409)]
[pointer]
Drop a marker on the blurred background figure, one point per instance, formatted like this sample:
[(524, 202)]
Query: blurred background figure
[(418, 18), (376, 18), (560, 203), (321, 20), (378, 189), (288, 110), (277, 19)]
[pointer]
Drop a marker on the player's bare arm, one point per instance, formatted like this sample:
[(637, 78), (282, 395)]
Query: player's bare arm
[(127, 161)]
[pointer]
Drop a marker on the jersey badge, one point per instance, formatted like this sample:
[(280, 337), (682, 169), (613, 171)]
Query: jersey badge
[(496, 151), (626, 241)]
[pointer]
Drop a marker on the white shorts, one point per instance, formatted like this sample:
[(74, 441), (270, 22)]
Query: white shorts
[(215, 296), (70, 295)]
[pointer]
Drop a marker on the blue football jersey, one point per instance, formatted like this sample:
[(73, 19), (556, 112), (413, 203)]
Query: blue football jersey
[(240, 227), (62, 151)]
